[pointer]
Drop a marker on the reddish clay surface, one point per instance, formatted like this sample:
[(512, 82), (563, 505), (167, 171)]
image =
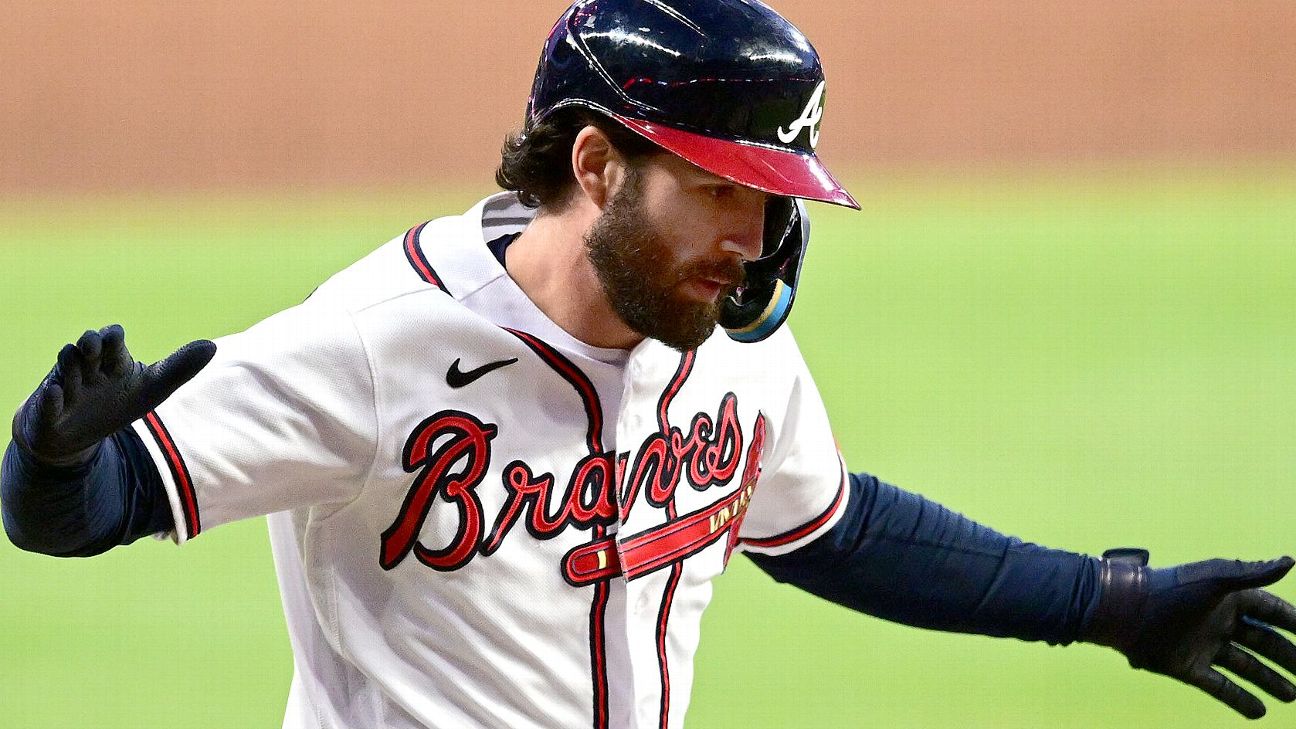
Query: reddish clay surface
[(101, 95)]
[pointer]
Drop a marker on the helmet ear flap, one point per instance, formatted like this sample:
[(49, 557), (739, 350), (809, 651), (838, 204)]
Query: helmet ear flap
[(763, 303)]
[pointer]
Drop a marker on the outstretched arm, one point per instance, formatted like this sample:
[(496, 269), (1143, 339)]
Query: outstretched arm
[(899, 556), (76, 480)]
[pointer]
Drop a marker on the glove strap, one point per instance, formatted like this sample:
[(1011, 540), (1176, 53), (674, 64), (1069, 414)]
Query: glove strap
[(1123, 585)]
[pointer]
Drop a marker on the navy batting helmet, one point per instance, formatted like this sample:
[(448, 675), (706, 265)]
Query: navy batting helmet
[(728, 85)]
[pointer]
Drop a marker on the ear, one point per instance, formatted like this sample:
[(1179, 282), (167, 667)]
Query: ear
[(598, 167)]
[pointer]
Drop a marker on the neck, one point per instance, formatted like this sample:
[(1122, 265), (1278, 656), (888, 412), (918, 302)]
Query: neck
[(549, 263)]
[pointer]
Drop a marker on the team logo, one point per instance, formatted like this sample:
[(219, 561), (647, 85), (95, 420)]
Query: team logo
[(450, 453), (809, 119)]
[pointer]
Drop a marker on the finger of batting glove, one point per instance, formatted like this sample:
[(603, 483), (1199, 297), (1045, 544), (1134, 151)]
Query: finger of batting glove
[(1250, 668), (164, 377), (115, 358), (1266, 641), (68, 371), (1270, 609), (1270, 644), (1214, 683), (91, 347), (1236, 575)]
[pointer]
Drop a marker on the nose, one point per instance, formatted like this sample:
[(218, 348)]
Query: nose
[(746, 237)]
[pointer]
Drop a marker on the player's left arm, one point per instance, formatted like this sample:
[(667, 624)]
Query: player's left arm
[(899, 556)]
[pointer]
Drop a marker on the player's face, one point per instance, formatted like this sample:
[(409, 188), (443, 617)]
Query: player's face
[(670, 245)]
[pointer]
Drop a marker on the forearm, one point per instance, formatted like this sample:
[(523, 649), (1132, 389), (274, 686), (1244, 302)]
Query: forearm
[(901, 557), (86, 509)]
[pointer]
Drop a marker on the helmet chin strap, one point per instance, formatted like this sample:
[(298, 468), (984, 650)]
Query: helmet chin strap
[(765, 300)]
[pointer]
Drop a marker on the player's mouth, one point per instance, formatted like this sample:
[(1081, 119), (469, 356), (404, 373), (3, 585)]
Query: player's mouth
[(704, 288), (708, 288), (707, 280)]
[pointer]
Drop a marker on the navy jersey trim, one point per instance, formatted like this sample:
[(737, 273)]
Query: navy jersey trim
[(179, 473), (788, 537), (594, 439), (672, 389), (672, 582), (598, 646), (417, 260), (578, 379)]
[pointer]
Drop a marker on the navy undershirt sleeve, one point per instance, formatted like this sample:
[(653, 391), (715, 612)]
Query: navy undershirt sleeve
[(899, 556), (115, 498)]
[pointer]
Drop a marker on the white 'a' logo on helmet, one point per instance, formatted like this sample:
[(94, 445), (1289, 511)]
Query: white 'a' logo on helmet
[(809, 119)]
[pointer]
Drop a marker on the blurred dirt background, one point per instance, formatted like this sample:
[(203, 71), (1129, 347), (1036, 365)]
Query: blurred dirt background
[(99, 95)]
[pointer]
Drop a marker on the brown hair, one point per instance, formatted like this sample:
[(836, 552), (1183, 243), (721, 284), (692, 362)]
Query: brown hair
[(536, 164)]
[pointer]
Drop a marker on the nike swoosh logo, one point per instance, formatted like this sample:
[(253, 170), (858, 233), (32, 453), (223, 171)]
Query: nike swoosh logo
[(458, 379)]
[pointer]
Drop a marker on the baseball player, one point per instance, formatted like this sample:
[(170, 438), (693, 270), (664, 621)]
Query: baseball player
[(504, 455)]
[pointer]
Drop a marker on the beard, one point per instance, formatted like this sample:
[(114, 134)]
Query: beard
[(636, 267)]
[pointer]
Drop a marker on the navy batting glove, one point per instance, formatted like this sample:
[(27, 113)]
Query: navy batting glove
[(1184, 621), (96, 389)]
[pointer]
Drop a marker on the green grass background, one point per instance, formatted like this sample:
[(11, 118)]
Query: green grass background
[(1083, 360)]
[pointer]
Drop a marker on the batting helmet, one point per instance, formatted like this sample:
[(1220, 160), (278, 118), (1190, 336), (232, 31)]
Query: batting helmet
[(729, 85)]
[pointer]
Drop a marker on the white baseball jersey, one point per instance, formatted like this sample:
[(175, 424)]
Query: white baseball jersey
[(477, 520)]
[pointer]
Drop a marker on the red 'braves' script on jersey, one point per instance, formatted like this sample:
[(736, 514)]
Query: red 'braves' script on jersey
[(674, 540), (468, 444), (708, 455)]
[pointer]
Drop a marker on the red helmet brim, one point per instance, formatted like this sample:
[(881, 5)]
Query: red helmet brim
[(776, 171)]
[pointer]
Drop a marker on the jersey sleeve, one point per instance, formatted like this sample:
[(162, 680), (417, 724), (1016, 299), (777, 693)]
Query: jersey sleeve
[(282, 418), (802, 489)]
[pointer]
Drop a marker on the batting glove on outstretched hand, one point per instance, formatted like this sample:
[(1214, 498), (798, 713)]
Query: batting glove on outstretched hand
[(1184, 621), (96, 389)]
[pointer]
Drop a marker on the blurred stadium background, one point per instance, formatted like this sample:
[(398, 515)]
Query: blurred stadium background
[(1066, 310)]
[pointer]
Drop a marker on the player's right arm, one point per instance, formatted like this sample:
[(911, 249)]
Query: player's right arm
[(76, 480), (902, 557), (898, 555)]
